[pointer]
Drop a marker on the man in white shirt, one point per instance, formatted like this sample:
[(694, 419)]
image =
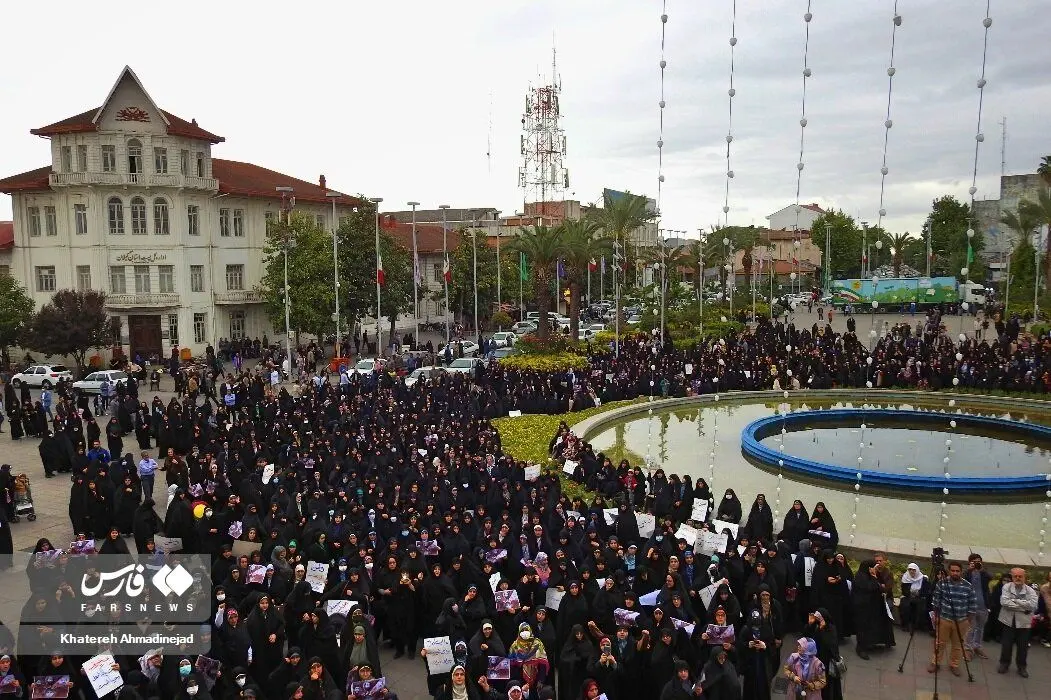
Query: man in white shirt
[(1017, 605)]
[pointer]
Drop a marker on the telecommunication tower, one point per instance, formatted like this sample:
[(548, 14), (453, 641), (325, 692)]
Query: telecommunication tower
[(542, 176)]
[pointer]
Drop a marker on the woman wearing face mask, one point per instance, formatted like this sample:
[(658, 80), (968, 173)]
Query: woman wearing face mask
[(235, 682), (729, 509), (528, 656)]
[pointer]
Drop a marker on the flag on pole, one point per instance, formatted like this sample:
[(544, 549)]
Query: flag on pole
[(592, 265), (417, 276), (447, 272), (380, 277), (560, 271), (603, 264), (970, 254), (523, 268)]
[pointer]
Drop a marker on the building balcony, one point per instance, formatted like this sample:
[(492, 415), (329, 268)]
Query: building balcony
[(242, 297), (143, 300), (134, 180)]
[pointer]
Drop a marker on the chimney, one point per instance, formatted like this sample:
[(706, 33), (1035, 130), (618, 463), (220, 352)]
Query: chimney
[(321, 182)]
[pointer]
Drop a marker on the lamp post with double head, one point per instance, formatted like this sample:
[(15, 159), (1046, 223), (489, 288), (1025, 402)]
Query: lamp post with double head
[(445, 265), (287, 241), (333, 196)]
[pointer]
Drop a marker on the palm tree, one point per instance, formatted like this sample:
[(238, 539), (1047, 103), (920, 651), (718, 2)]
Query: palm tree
[(1041, 211), (1023, 222), (1044, 169), (579, 247), (897, 242), (542, 247), (618, 218)]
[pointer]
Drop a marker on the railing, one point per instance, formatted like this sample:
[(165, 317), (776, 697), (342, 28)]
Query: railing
[(243, 297), (135, 179), (136, 300)]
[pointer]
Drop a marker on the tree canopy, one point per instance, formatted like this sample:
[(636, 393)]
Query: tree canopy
[(16, 311), (73, 322)]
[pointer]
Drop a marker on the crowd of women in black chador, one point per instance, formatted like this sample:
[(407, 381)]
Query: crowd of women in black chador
[(367, 473)]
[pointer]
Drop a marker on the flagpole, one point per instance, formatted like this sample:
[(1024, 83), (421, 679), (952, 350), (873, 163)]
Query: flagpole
[(521, 275), (445, 267), (379, 268), (589, 283), (415, 276), (602, 280)]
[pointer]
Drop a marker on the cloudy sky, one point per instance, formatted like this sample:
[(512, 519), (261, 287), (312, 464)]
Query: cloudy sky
[(394, 98)]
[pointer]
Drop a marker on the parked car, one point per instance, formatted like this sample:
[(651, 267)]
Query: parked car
[(585, 334), (503, 352), (423, 373), (366, 366), (470, 348), (524, 328), (464, 365), (597, 327), (504, 339), (41, 376), (633, 320), (91, 383)]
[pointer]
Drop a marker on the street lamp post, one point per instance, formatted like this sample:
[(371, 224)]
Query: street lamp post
[(445, 264), (335, 271), (474, 266), (700, 279), (415, 276), (379, 262), (828, 258), (287, 202)]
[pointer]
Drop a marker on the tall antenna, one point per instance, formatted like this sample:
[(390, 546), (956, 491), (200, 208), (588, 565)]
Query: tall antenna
[(489, 138), (543, 142), (1003, 146)]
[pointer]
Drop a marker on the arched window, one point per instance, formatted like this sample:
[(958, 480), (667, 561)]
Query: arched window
[(138, 216), (115, 209), (160, 217), (135, 157)]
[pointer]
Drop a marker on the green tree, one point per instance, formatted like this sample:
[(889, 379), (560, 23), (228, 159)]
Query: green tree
[(845, 242), (1022, 271), (461, 289), (897, 245), (1044, 169), (580, 246), (542, 246), (312, 293), (1040, 210), (16, 310), (1023, 222), (618, 218), (72, 323), (948, 223)]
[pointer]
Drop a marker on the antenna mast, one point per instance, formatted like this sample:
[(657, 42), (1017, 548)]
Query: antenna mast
[(543, 143), (1003, 146)]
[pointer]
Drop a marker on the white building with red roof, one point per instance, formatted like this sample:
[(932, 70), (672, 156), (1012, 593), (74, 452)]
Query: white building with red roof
[(134, 204), (788, 219)]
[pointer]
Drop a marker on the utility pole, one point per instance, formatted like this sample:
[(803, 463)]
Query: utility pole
[(416, 274), (379, 266), (287, 203), (335, 270), (445, 265), (1003, 146)]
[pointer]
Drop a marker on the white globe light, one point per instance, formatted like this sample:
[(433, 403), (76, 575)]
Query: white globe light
[(884, 170), (945, 492), (785, 394), (780, 462), (952, 402), (729, 138), (799, 165), (807, 17), (875, 304), (660, 143), (663, 64), (732, 92), (868, 360), (945, 460), (987, 22), (796, 243), (664, 19), (803, 122), (788, 348), (962, 337), (948, 443), (733, 41), (792, 276), (891, 71), (863, 426), (660, 178), (981, 83), (879, 245), (971, 190), (959, 356), (964, 271), (868, 385), (965, 306), (807, 72), (889, 123), (730, 174), (857, 487), (725, 209), (897, 20), (789, 373), (970, 233), (956, 381)]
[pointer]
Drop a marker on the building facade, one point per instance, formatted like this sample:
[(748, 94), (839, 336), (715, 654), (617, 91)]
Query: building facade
[(1000, 240), (134, 204), (788, 219)]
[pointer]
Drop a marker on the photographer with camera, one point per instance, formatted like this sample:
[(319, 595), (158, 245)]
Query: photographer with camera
[(955, 605), (979, 579), (1017, 604)]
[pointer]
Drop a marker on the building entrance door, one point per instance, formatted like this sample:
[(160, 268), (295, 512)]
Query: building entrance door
[(144, 334)]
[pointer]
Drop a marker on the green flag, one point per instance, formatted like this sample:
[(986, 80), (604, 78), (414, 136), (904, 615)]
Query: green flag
[(523, 268), (970, 254)]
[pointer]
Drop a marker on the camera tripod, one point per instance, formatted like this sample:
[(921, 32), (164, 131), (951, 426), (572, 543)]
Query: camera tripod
[(937, 566)]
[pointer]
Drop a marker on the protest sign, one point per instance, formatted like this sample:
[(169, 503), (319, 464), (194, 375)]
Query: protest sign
[(317, 576), (647, 524), (625, 617), (720, 525), (167, 544), (685, 532), (707, 593), (439, 655), (569, 467), (507, 600), (699, 512), (101, 674), (499, 669), (719, 634), (256, 573), (532, 472), (339, 607), (554, 598)]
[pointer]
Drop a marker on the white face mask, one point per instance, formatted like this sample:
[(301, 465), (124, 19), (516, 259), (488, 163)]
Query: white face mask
[(240, 680), (728, 497), (368, 565), (191, 690), (342, 567), (220, 597), (525, 634)]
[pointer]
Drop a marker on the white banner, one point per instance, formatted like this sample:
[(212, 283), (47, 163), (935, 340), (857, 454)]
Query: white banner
[(439, 655), (317, 576)]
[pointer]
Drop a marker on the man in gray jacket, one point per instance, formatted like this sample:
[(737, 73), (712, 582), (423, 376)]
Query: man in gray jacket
[(1017, 605)]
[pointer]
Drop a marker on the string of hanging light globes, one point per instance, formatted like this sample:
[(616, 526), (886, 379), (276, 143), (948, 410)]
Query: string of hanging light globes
[(888, 122), (807, 73), (731, 93)]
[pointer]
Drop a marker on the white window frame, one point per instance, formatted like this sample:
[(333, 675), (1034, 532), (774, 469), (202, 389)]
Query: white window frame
[(33, 218), (235, 278), (83, 277), (115, 216), (67, 159), (200, 328), (50, 220), (139, 223), (118, 274), (166, 279), (237, 323), (193, 220), (109, 159), (173, 329), (160, 160), (196, 278), (80, 219), (200, 164), (161, 222), (142, 279), (224, 223), (46, 280), (82, 158), (135, 166), (239, 223), (184, 162)]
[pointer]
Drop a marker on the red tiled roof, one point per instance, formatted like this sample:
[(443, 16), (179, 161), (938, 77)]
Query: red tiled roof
[(428, 237), (782, 234), (27, 181), (814, 207), (7, 235), (249, 180), (81, 123)]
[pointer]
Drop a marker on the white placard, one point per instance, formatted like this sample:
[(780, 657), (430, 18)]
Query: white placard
[(569, 467), (601, 583), (494, 580), (708, 593), (610, 515), (808, 571), (100, 673), (650, 599), (317, 576), (683, 625), (554, 598), (514, 414), (268, 473), (167, 544), (685, 532), (532, 472), (647, 524), (439, 655), (689, 368), (711, 542), (720, 525), (339, 607), (699, 512)]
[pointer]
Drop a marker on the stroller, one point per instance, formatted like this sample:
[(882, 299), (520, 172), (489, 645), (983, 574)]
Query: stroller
[(23, 499)]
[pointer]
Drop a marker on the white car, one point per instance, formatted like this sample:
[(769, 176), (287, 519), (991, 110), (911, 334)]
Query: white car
[(421, 374), (464, 365), (597, 327), (524, 328), (91, 383), (504, 339), (470, 348), (41, 376), (633, 320), (366, 366)]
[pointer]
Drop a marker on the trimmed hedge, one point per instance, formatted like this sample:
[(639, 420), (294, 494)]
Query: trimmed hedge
[(554, 362)]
